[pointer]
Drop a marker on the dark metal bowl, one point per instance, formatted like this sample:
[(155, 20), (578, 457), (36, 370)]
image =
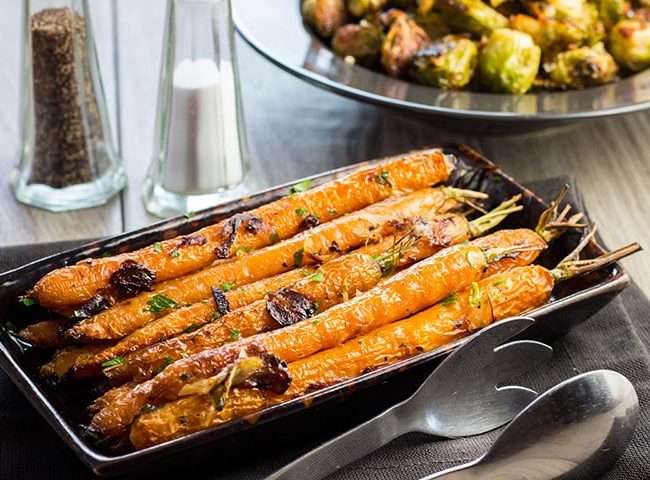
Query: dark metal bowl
[(276, 30), (64, 406)]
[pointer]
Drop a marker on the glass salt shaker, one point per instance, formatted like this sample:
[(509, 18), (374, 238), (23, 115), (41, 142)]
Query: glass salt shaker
[(67, 159), (200, 150)]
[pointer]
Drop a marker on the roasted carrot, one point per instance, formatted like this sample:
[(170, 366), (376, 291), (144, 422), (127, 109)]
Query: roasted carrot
[(407, 292), (441, 231), (310, 247), (503, 295), (44, 334), (168, 259), (315, 292), (189, 317)]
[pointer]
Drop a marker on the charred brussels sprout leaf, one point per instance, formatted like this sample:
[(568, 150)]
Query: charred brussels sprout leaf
[(432, 23), (583, 67), (471, 16), (629, 43), (403, 40), (362, 42), (325, 16), (447, 63), (552, 36), (509, 62)]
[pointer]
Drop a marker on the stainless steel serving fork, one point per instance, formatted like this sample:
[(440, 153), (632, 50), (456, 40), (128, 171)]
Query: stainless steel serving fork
[(461, 397)]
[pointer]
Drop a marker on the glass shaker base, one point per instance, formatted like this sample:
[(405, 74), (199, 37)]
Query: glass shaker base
[(86, 195), (163, 203)]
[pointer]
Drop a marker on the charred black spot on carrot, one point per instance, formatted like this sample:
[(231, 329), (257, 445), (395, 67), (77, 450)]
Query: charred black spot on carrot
[(252, 224), (310, 221), (131, 278), (220, 300), (287, 307), (91, 308)]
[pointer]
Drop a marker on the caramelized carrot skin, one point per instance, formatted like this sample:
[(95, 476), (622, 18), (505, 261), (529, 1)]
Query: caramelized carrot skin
[(398, 297), (510, 293), (344, 234), (338, 280), (44, 334), (76, 284), (441, 231), (175, 323)]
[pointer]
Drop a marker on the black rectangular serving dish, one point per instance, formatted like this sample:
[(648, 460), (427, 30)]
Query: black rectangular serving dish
[(572, 303)]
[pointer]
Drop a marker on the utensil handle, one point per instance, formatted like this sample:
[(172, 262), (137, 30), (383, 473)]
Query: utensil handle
[(342, 450)]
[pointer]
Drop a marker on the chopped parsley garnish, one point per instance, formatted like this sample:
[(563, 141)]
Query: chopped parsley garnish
[(192, 328), (242, 251), (215, 315), (189, 214), (475, 295), (300, 187), (27, 301), (301, 212), (316, 307), (315, 322), (158, 303), (112, 363), (106, 254), (346, 287), (450, 299), (333, 213), (175, 254), (236, 334), (275, 237), (227, 286), (298, 257), (384, 179), (167, 361), (317, 277), (157, 247), (498, 283)]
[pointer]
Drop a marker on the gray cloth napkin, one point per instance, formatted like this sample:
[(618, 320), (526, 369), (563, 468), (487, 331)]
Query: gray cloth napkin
[(617, 338)]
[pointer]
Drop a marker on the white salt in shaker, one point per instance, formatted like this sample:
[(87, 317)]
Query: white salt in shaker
[(200, 150)]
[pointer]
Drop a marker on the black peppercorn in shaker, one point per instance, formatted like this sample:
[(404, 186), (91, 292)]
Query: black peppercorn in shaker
[(67, 159)]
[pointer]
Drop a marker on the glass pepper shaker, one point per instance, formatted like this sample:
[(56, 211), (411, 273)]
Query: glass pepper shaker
[(67, 159), (200, 150)]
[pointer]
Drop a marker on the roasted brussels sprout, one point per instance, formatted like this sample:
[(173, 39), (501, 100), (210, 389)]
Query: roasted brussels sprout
[(583, 67), (629, 42), (433, 24), (579, 14), (446, 63), (359, 8), (509, 61), (360, 41), (403, 40), (551, 35), (613, 11), (324, 15), (471, 16)]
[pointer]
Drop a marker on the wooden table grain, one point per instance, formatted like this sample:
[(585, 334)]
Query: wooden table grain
[(296, 129)]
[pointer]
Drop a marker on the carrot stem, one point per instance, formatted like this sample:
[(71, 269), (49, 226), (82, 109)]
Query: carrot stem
[(553, 222)]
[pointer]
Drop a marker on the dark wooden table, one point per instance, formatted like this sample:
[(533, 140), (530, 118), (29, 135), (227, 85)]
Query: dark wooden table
[(297, 130)]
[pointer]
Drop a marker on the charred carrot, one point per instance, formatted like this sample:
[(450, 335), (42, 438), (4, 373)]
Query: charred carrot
[(441, 231), (310, 247), (44, 334), (257, 228), (186, 318), (494, 298), (406, 293)]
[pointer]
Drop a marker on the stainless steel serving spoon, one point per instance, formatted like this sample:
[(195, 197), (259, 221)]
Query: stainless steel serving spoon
[(574, 431), (459, 398)]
